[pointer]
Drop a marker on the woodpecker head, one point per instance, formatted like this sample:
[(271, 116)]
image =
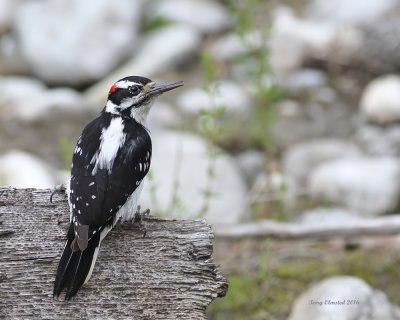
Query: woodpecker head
[(133, 96)]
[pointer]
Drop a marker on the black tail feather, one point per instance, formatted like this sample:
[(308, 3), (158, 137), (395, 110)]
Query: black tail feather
[(74, 267)]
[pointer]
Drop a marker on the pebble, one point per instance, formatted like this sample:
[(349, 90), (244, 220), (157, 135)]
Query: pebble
[(28, 99), (75, 42), (225, 94), (301, 159), (205, 15), (380, 101), (370, 186), (152, 57), (181, 177), (20, 169), (344, 298)]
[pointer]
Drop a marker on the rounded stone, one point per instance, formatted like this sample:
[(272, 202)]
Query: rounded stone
[(369, 186), (22, 170), (187, 182), (380, 101), (75, 42)]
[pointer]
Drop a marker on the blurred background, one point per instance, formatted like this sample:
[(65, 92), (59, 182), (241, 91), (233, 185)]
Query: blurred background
[(287, 126)]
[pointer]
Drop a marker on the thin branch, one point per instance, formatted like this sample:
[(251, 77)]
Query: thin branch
[(387, 225)]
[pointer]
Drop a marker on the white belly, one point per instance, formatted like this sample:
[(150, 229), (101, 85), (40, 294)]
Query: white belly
[(128, 210)]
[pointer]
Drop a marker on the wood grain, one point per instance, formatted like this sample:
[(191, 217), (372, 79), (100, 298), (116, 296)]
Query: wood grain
[(169, 274)]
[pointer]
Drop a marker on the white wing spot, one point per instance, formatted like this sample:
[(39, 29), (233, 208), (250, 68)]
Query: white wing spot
[(79, 211), (92, 183), (87, 204), (93, 196)]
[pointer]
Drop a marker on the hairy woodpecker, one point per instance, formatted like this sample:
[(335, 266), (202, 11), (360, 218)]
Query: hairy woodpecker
[(111, 159)]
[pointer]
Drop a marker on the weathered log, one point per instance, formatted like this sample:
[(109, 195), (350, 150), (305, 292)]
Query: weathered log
[(169, 274)]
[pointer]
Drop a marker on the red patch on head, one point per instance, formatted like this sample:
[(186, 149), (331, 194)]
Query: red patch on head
[(113, 88)]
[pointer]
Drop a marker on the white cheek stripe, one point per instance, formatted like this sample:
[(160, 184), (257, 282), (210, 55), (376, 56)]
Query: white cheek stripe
[(112, 138), (124, 84)]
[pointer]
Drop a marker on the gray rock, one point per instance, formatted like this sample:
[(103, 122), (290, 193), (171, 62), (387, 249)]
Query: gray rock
[(7, 12), (293, 40), (299, 160), (61, 99), (303, 80), (376, 52), (28, 99), (17, 91), (11, 60), (164, 115), (75, 42), (19, 86), (380, 101), (370, 186), (232, 45), (311, 121), (23, 170), (343, 298), (251, 163), (348, 11), (379, 141), (180, 171), (152, 57), (224, 94), (367, 48), (205, 15)]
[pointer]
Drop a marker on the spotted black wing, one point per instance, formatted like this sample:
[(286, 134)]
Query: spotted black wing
[(96, 195)]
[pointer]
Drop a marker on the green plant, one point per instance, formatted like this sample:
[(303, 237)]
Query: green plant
[(254, 62), (209, 125), (155, 23), (65, 148)]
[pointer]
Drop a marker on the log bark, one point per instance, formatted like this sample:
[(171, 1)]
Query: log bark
[(169, 274)]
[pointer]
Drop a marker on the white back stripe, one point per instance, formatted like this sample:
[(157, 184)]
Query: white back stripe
[(112, 138)]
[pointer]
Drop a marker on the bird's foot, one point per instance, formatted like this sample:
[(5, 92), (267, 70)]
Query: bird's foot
[(138, 218), (60, 188)]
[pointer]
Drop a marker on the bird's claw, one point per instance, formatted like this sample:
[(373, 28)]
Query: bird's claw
[(60, 188), (138, 218)]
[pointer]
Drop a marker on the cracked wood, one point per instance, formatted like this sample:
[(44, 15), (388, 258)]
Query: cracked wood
[(169, 274)]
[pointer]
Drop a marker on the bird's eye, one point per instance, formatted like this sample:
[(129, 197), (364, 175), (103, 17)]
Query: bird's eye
[(134, 90)]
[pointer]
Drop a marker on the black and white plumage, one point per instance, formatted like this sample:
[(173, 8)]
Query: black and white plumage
[(110, 161)]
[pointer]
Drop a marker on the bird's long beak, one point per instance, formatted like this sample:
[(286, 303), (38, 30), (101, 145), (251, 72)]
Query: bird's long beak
[(161, 87)]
